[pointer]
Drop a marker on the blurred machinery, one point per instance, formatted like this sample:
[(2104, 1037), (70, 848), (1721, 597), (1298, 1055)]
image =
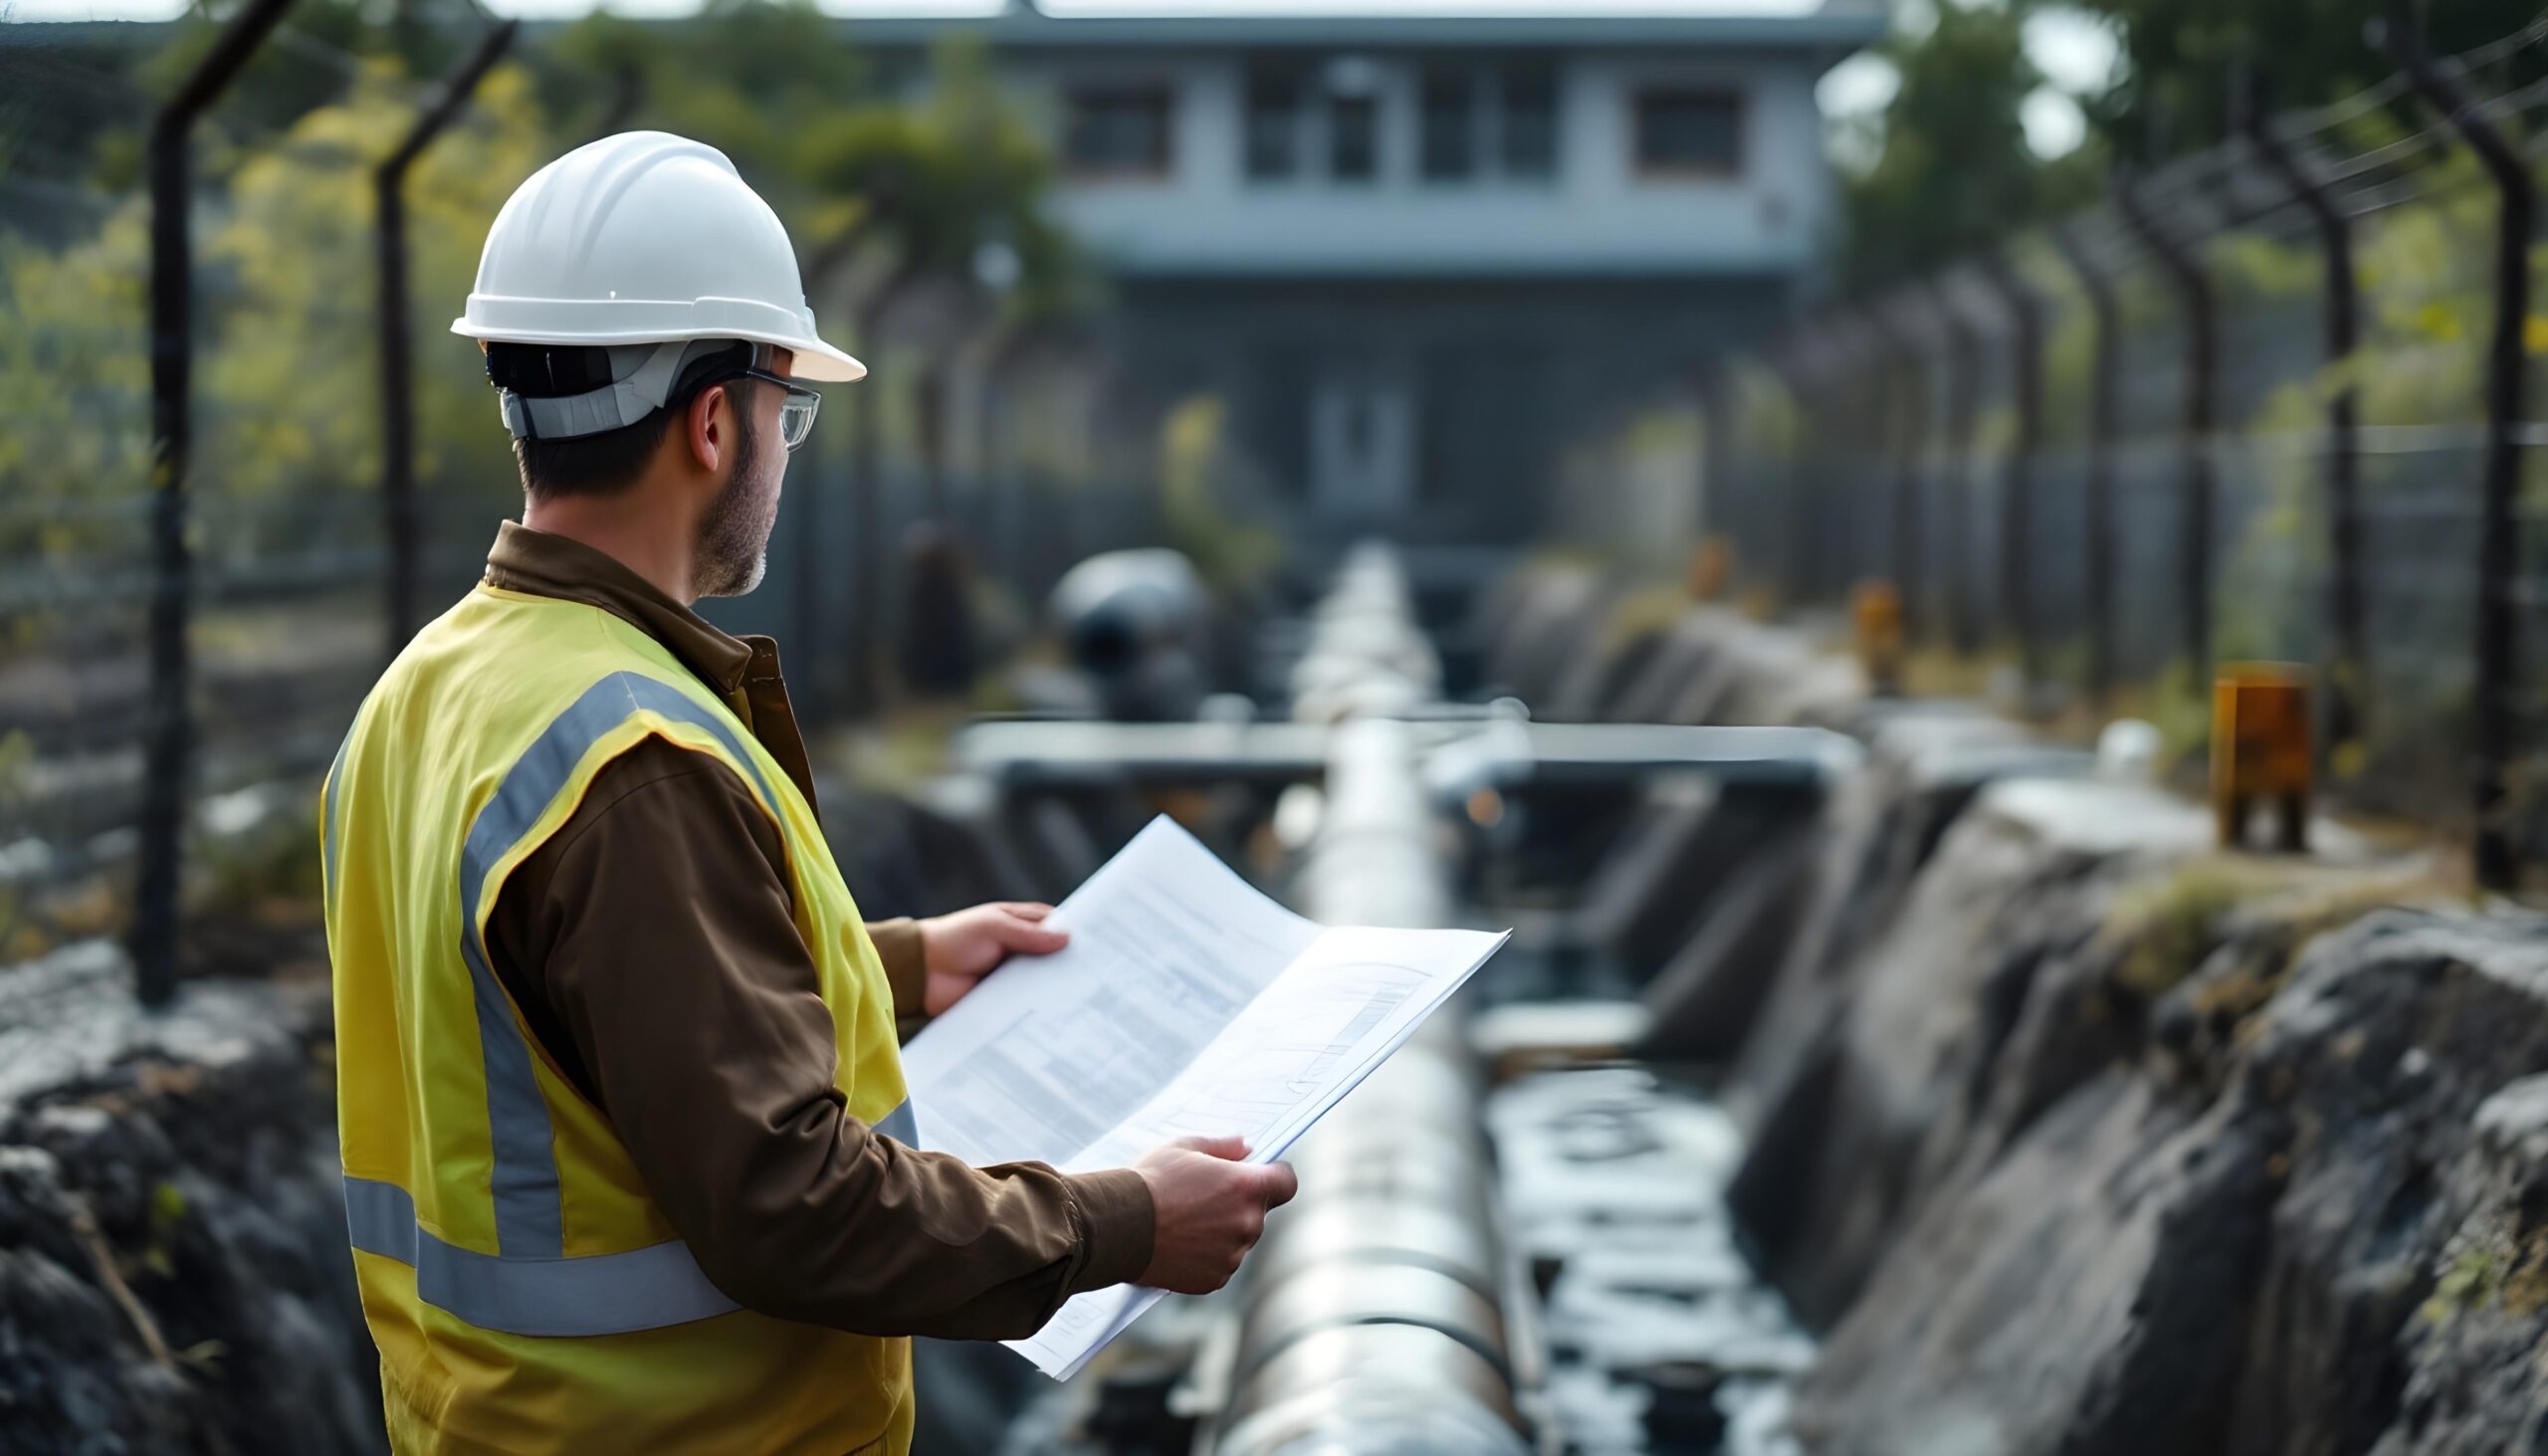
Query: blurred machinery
[(1135, 624)]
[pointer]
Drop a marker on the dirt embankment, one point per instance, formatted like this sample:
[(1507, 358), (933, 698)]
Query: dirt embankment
[(173, 1275), (2075, 1135), (2070, 1132)]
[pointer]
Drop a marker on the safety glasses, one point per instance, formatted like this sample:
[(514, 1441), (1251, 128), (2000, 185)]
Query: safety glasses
[(797, 416)]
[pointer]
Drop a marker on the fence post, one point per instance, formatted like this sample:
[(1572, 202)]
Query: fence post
[(2097, 577), (2347, 699), (2498, 549), (1962, 392), (2185, 270), (1002, 506), (627, 92), (1895, 354), (1855, 419), (397, 344), (2016, 506), (1794, 363), (869, 553), (1715, 508), (169, 747)]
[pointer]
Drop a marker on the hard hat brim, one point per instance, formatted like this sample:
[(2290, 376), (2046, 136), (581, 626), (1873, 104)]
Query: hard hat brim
[(814, 359), (819, 361)]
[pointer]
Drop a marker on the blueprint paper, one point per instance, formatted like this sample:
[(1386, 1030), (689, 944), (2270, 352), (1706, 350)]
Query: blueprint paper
[(1186, 1003)]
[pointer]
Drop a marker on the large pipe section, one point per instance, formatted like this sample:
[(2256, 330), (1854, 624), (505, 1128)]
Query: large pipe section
[(1375, 1317), (1366, 655)]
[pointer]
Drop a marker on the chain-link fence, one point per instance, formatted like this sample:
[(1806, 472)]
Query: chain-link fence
[(274, 552), (2251, 406), (280, 607)]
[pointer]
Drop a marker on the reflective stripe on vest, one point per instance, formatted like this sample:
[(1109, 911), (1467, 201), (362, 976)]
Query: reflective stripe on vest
[(595, 1294), (529, 1286), (529, 1212), (328, 820), (598, 1294)]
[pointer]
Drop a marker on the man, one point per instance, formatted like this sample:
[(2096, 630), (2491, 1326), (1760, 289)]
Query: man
[(627, 1149)]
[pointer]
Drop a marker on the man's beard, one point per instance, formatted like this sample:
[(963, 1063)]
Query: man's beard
[(733, 552)]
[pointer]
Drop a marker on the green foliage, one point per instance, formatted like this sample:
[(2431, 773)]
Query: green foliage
[(71, 327), (1952, 169), (848, 161), (292, 412), (2169, 926), (749, 76), (168, 1216), (2186, 57), (2502, 1264), (286, 391), (936, 184), (286, 402), (297, 72), (17, 758), (1229, 554)]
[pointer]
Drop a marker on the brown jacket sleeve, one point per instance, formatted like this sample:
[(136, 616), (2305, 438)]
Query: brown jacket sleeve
[(652, 935), (898, 946)]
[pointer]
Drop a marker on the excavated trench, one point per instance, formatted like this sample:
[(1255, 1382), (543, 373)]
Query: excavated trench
[(2069, 1133), (1950, 1098)]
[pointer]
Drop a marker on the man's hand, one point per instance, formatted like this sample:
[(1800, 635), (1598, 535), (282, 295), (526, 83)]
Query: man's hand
[(1208, 1210), (961, 949)]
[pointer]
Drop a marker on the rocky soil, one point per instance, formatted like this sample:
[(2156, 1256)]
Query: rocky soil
[(2077, 1138), (173, 1275)]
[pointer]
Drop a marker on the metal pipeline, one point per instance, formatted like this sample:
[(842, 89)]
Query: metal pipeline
[(1366, 655), (1374, 1318)]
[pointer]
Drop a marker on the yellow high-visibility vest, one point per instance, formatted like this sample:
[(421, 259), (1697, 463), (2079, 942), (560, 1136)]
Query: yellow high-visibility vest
[(526, 1293)]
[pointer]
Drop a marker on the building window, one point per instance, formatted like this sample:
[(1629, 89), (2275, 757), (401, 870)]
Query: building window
[(1117, 131), (1477, 118), (1488, 121), (1353, 139), (1448, 150), (1530, 121), (1273, 126), (1689, 131)]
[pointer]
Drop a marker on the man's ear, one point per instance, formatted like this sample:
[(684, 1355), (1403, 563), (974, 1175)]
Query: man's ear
[(708, 428)]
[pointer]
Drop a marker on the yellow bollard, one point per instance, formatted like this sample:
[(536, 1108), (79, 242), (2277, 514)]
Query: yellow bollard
[(1711, 569), (1876, 611), (2260, 750)]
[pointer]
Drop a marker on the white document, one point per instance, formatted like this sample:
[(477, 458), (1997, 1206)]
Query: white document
[(1186, 1003)]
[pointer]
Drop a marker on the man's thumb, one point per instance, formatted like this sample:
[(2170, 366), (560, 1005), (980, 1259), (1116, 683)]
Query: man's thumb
[(1280, 1184), (1020, 933)]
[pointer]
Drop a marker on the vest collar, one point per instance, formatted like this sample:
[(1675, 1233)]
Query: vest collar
[(543, 564)]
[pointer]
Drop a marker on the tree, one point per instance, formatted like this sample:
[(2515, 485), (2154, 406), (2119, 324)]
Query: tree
[(747, 77), (292, 412), (286, 408), (922, 191), (1951, 167), (932, 186), (2185, 58)]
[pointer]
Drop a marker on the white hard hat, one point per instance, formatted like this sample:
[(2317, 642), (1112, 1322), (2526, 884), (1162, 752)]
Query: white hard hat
[(644, 238)]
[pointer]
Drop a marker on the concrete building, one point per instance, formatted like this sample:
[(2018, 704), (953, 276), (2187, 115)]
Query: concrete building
[(1416, 244)]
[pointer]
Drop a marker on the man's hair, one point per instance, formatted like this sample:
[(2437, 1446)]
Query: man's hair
[(610, 462), (593, 464)]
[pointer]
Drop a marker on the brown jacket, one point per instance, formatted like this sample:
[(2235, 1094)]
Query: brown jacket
[(650, 946)]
